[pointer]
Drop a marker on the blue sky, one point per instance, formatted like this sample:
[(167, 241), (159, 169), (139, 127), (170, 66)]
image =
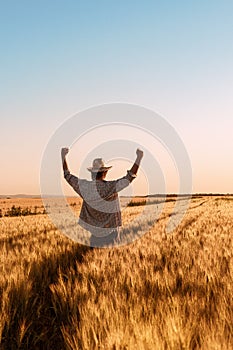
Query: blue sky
[(59, 57)]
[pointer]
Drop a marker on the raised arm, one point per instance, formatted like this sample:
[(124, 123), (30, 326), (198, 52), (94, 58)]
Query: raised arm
[(123, 182), (71, 179), (64, 152), (137, 162)]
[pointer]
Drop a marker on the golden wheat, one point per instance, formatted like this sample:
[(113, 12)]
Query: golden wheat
[(163, 291)]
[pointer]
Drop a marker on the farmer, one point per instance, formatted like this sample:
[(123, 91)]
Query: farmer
[(100, 212)]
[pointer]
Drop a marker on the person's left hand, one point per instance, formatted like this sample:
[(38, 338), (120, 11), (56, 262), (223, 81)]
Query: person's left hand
[(139, 153), (64, 151)]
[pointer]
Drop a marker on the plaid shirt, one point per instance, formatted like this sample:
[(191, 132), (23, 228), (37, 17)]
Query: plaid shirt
[(101, 207)]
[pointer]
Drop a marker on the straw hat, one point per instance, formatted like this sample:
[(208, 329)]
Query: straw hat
[(98, 166)]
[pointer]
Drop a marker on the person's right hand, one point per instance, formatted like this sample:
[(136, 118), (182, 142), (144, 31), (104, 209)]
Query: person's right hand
[(139, 153), (64, 151)]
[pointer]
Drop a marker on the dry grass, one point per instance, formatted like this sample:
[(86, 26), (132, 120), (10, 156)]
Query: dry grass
[(164, 291)]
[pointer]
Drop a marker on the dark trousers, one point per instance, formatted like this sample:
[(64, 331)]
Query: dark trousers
[(106, 241)]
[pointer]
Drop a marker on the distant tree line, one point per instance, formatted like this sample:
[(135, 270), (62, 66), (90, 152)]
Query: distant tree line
[(18, 211)]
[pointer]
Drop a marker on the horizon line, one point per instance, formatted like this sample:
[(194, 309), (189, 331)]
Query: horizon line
[(39, 196)]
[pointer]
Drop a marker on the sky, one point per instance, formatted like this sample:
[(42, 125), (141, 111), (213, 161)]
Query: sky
[(172, 57)]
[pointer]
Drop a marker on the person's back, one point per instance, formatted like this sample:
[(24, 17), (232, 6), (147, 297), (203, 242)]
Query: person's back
[(100, 212)]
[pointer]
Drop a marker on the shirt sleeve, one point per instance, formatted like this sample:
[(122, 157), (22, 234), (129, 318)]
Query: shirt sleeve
[(72, 180), (125, 181)]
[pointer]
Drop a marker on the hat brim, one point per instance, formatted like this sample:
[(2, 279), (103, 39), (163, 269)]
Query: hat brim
[(99, 170)]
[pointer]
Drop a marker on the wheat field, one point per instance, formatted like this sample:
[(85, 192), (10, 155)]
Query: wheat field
[(163, 291)]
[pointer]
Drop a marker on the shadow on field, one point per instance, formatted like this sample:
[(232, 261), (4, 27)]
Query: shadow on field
[(199, 204), (16, 240), (31, 320)]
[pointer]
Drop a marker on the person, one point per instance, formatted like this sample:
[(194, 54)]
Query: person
[(100, 211)]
